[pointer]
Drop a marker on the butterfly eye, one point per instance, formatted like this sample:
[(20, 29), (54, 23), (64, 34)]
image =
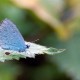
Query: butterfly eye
[(7, 53), (27, 46)]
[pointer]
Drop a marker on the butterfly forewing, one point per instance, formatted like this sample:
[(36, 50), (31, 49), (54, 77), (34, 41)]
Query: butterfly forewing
[(10, 37)]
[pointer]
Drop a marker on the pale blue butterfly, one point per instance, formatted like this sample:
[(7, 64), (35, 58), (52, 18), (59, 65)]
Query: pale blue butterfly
[(13, 46), (10, 37)]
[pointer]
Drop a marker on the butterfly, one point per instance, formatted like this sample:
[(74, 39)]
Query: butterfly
[(13, 46)]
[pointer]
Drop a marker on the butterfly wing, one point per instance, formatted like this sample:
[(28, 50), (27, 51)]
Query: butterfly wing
[(10, 37)]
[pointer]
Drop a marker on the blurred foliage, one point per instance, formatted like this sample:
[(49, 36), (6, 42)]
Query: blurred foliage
[(56, 23), (9, 71)]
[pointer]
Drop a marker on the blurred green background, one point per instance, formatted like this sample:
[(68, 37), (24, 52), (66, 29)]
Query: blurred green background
[(56, 23)]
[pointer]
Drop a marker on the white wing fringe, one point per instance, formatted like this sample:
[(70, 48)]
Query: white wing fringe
[(30, 52)]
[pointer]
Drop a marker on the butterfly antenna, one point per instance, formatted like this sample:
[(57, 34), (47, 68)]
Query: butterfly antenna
[(35, 40)]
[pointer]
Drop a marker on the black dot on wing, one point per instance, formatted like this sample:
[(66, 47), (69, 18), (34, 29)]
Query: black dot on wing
[(7, 53)]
